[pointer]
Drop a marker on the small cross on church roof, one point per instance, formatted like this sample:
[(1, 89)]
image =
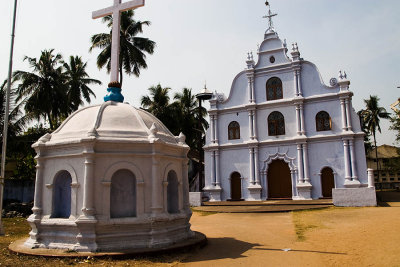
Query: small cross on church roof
[(269, 17)]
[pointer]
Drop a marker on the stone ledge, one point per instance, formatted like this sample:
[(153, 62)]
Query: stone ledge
[(354, 197), (195, 199), (198, 240)]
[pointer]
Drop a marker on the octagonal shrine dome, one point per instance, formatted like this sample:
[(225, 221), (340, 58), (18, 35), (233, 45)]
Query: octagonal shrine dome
[(111, 121)]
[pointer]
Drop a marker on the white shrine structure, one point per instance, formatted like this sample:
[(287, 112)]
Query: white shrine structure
[(111, 178), (283, 134)]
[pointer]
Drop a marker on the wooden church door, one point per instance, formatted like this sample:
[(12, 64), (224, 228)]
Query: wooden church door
[(279, 180), (327, 182), (236, 186)]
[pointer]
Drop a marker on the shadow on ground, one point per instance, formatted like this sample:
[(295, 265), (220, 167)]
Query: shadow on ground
[(221, 248), (231, 248), (385, 198)]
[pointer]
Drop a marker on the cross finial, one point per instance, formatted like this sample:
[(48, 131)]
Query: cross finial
[(116, 11), (269, 17)]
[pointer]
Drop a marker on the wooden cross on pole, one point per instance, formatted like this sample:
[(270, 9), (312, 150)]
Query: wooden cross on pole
[(115, 11)]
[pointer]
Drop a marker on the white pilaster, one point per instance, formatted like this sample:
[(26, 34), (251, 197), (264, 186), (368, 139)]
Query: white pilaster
[(298, 120), (300, 163), (212, 128), (156, 194), (213, 168), (216, 138), (251, 169), (254, 125), (299, 83), (371, 181), (353, 160), (217, 169), (253, 93), (37, 202), (250, 125), (305, 159), (257, 171), (348, 114), (296, 83), (302, 121), (344, 117), (88, 191), (346, 161)]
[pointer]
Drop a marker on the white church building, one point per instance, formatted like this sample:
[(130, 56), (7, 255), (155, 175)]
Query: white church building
[(282, 133)]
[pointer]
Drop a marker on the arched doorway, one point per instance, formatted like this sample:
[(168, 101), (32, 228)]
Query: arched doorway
[(236, 186), (279, 180), (327, 182), (62, 195)]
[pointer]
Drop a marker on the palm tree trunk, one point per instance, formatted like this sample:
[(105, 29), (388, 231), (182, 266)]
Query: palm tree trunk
[(376, 155), (50, 122)]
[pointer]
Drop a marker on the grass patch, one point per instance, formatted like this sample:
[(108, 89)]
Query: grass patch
[(204, 213), (304, 221), (17, 228)]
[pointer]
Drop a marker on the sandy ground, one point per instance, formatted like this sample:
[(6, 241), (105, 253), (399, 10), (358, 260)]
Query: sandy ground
[(329, 237)]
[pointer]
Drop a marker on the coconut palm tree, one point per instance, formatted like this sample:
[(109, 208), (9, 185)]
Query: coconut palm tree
[(371, 116), (43, 90), (133, 48), (77, 81), (158, 104), (17, 120), (187, 109)]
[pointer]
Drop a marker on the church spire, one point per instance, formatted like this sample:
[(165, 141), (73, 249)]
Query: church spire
[(269, 17)]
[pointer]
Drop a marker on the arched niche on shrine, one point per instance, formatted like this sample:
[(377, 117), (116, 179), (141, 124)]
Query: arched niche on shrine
[(123, 178), (61, 202), (73, 185), (123, 196), (173, 193)]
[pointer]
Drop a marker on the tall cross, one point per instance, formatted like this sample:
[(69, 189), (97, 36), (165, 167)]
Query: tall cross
[(115, 11), (269, 16)]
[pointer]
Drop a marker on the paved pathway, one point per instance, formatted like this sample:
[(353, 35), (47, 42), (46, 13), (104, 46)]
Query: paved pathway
[(264, 206)]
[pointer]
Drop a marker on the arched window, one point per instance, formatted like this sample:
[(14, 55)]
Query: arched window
[(274, 89), (276, 124), (234, 130), (123, 194), (172, 193), (323, 121), (62, 195)]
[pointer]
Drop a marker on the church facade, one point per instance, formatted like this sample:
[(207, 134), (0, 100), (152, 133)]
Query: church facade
[(282, 133)]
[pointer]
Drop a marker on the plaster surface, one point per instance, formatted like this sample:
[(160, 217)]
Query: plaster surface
[(127, 187), (305, 149), (354, 197)]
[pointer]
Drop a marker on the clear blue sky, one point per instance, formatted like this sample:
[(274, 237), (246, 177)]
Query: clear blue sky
[(207, 40)]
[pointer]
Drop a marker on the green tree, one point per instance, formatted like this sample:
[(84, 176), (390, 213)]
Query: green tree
[(16, 120), (43, 90), (24, 154), (77, 82), (158, 104), (133, 48), (371, 116), (395, 120), (189, 123), (54, 88), (367, 135)]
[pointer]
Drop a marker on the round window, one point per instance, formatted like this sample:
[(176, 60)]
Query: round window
[(272, 59)]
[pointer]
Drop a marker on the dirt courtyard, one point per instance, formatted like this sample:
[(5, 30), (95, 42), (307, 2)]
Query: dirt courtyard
[(325, 237), (329, 237)]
